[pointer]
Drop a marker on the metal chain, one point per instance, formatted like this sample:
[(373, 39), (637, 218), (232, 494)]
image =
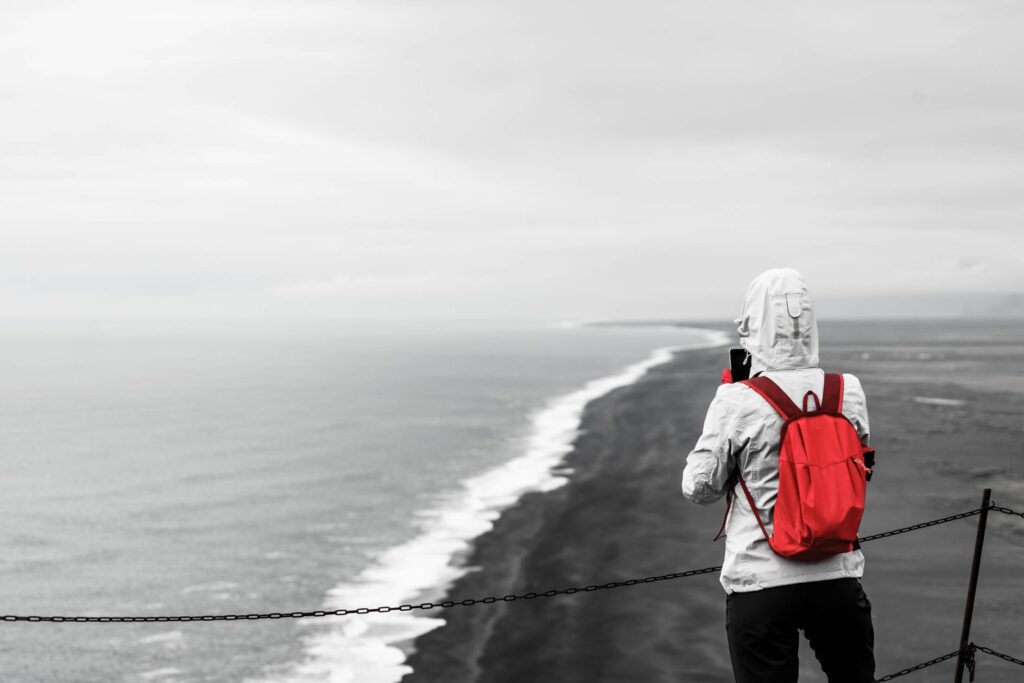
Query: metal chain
[(446, 604), (918, 667), (922, 525), (969, 662), (992, 652), (1007, 511), (374, 610)]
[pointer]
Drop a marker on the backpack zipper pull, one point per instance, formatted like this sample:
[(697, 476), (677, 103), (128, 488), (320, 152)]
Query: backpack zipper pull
[(867, 470)]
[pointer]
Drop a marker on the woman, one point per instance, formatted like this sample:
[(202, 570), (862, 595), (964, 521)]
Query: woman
[(771, 598)]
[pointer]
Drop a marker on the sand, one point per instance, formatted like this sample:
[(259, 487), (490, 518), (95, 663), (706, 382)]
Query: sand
[(622, 516)]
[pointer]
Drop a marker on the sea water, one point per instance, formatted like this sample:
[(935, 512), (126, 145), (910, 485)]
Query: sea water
[(195, 470)]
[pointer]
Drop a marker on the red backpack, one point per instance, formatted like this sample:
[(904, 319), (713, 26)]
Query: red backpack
[(823, 470)]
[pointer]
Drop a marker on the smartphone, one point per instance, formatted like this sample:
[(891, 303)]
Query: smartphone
[(740, 370)]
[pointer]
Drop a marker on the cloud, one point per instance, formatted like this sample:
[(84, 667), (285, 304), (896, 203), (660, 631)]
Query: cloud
[(583, 159)]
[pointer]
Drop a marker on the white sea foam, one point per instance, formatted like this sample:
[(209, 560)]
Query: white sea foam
[(935, 401), (211, 587), (157, 674), (364, 648), (169, 639)]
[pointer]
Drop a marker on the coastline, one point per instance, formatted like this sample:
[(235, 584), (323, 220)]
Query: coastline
[(622, 516), (373, 648)]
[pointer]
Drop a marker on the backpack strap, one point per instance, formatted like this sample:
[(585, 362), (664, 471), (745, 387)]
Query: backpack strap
[(832, 399), (775, 396), (730, 485), (725, 517), (753, 508)]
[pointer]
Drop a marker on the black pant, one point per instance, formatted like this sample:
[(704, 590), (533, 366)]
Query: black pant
[(835, 616)]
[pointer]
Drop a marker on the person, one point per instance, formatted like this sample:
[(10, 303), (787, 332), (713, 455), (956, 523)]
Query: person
[(770, 598)]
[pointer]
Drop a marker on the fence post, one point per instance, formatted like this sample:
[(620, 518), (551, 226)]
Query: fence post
[(972, 586)]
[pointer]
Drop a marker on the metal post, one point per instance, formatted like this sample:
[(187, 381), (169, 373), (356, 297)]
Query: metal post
[(965, 634)]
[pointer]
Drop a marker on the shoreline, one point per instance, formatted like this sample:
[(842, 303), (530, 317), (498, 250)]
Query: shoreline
[(554, 540), (622, 516), (377, 645)]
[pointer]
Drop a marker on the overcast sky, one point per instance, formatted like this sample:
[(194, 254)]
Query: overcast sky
[(556, 160)]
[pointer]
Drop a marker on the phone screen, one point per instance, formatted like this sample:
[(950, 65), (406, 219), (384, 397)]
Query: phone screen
[(740, 370)]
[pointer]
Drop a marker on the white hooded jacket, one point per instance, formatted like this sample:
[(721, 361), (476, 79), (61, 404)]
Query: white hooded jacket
[(778, 329)]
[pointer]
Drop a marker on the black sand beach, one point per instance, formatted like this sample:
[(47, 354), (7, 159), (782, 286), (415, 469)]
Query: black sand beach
[(622, 516)]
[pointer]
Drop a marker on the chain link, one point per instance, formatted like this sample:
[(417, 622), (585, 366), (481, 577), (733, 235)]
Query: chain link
[(447, 604), (918, 667), (970, 663)]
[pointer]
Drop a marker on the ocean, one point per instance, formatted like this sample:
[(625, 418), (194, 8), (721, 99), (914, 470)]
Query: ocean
[(202, 470)]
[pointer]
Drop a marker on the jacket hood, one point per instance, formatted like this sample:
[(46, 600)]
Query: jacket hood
[(777, 326)]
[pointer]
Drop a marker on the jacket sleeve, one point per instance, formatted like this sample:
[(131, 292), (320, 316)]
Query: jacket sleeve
[(855, 407), (712, 461)]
